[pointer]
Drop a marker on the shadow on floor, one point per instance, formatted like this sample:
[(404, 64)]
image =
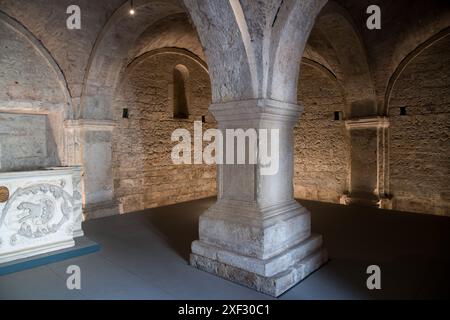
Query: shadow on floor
[(145, 255), (178, 224), (411, 249)]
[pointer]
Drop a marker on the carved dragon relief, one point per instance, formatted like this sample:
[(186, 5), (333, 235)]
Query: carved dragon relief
[(37, 218)]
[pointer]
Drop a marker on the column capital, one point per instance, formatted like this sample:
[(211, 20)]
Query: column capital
[(256, 109), (89, 124), (367, 123)]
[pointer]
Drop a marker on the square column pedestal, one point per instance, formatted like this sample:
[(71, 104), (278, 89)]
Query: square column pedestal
[(368, 185), (256, 234), (89, 143)]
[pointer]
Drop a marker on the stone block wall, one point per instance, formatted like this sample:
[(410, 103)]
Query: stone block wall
[(26, 142), (144, 174), (25, 76), (143, 171), (46, 20), (31, 104), (419, 140), (322, 147)]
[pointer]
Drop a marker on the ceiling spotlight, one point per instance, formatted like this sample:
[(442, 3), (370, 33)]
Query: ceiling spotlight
[(132, 11)]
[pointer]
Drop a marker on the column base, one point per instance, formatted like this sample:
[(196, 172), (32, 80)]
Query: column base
[(78, 233), (386, 202), (101, 210), (363, 199), (272, 276)]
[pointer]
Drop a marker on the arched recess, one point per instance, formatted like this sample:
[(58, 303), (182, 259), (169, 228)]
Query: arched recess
[(180, 94), (424, 21), (419, 135), (110, 53), (322, 146), (326, 71), (405, 62), (34, 99), (143, 171), (183, 53), (336, 39), (18, 28), (166, 51)]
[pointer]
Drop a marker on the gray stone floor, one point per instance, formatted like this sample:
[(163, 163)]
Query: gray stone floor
[(144, 256)]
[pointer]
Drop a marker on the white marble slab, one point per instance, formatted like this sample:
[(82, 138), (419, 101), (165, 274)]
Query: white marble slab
[(42, 214)]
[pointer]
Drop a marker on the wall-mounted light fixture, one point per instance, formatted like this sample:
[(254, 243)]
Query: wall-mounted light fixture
[(338, 115)]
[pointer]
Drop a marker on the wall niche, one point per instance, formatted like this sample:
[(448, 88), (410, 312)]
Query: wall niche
[(26, 142)]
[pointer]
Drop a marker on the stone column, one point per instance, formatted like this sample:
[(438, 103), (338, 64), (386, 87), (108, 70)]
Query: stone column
[(367, 161), (89, 144), (257, 234)]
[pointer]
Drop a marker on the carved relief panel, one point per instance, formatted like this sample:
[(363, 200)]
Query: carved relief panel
[(39, 214)]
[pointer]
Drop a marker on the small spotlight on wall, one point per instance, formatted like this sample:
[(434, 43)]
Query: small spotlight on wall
[(132, 11), (403, 111)]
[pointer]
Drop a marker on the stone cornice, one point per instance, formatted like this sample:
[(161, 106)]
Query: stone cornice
[(95, 125), (367, 123), (48, 172), (30, 106), (256, 109)]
